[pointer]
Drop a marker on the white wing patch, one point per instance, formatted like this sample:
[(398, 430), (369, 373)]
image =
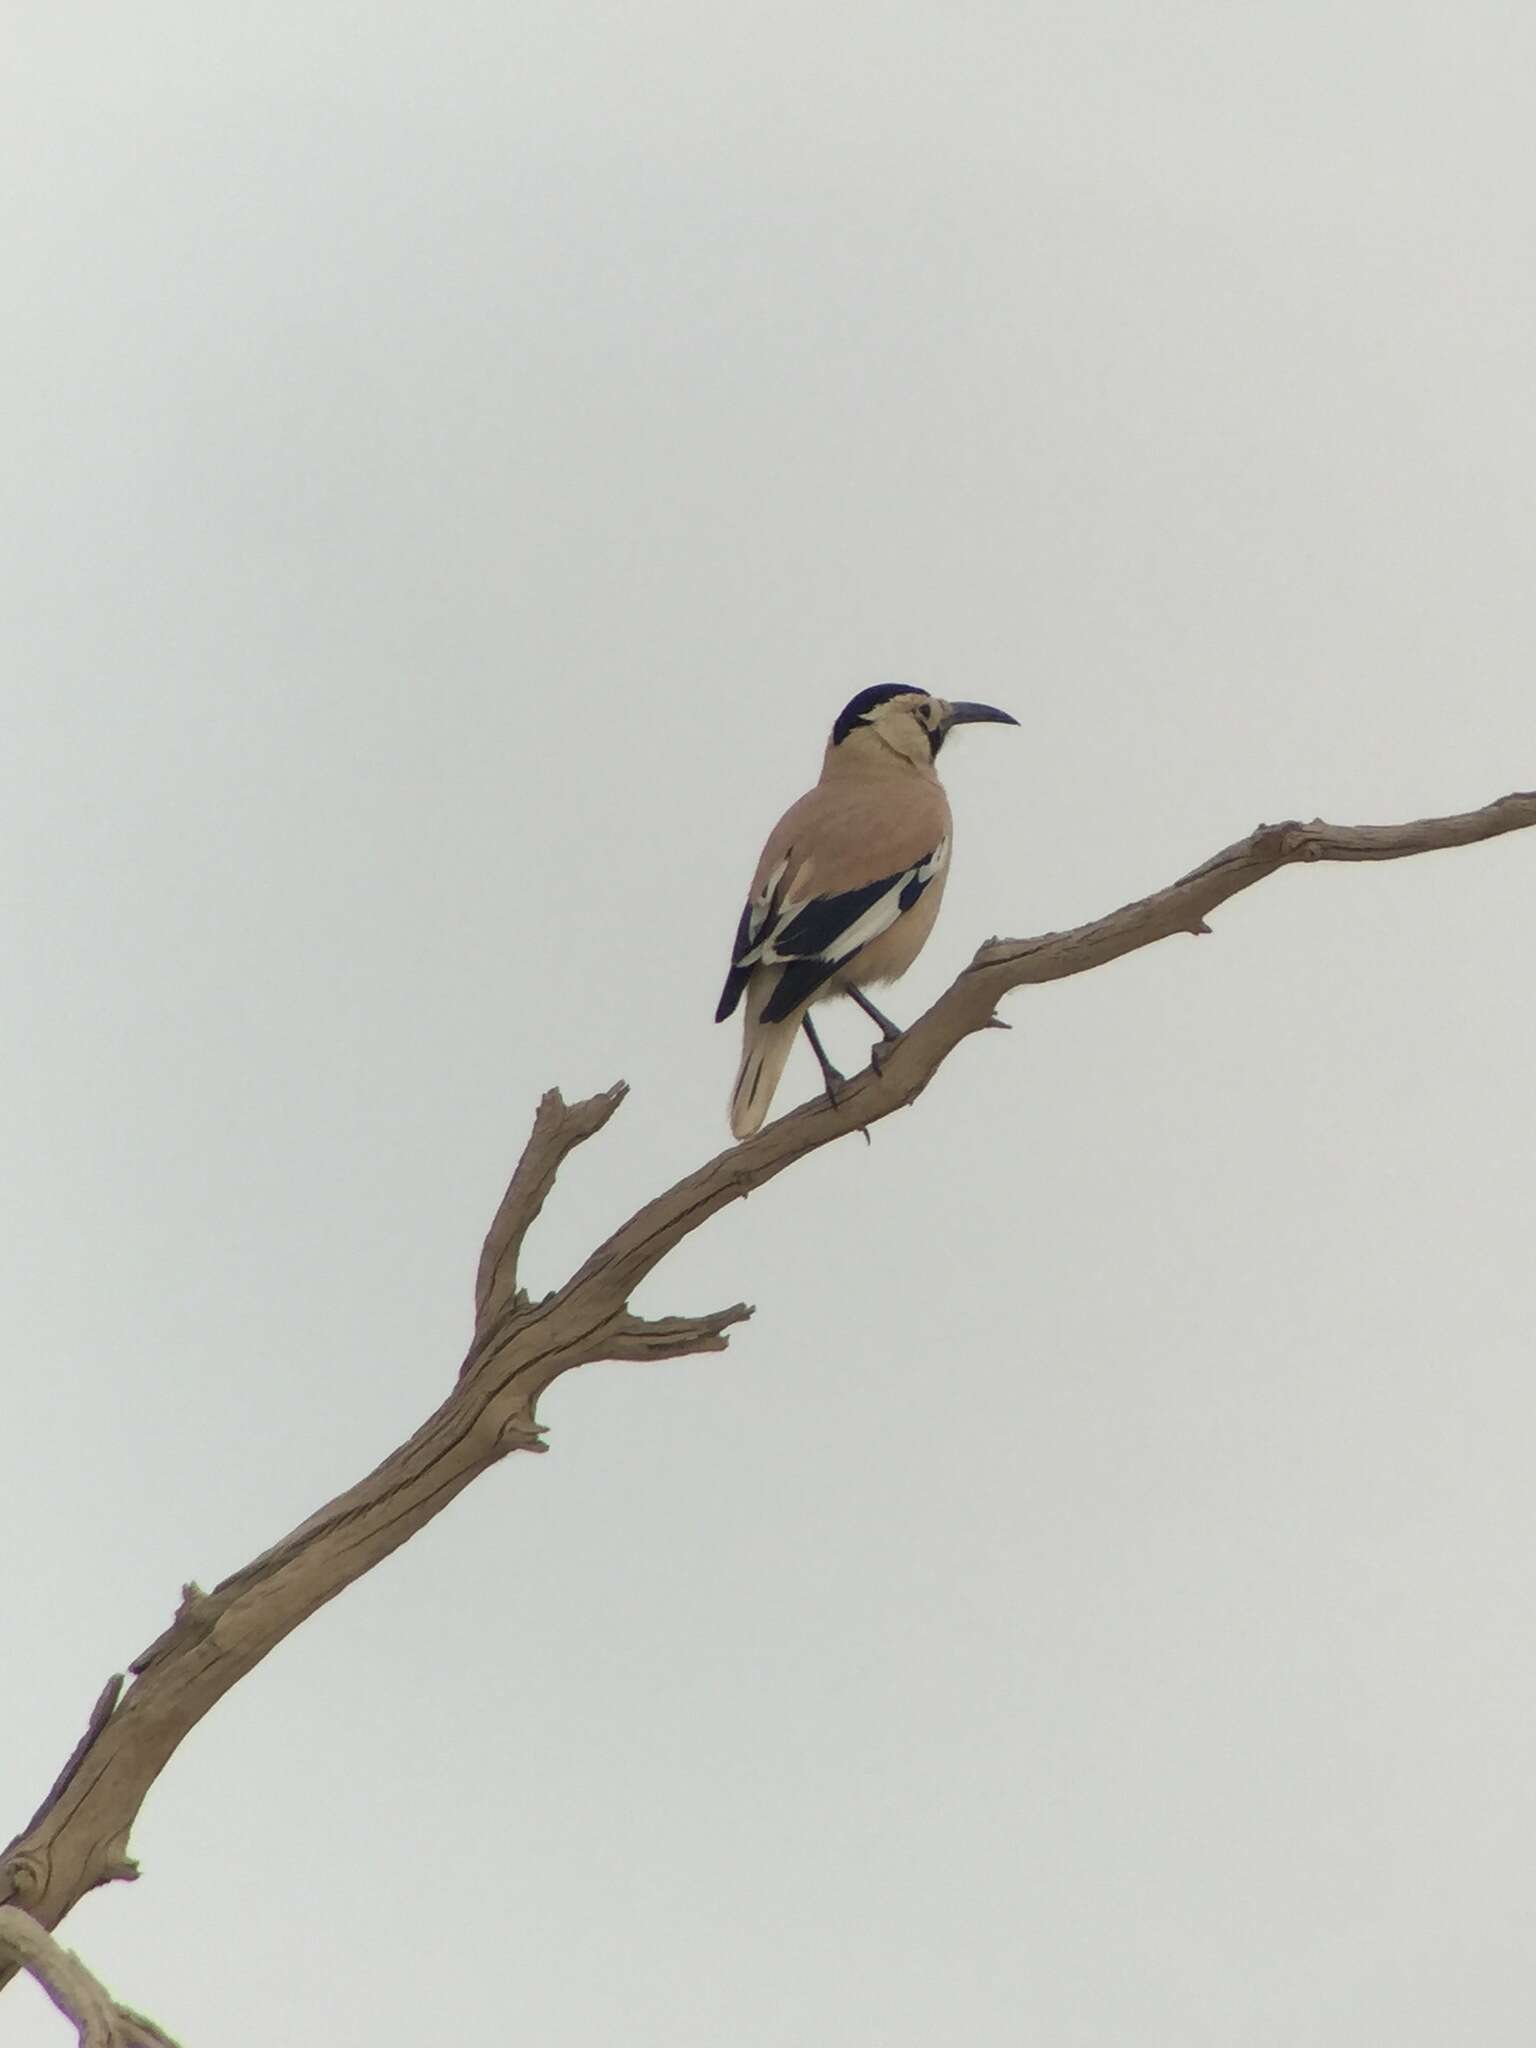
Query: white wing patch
[(762, 904)]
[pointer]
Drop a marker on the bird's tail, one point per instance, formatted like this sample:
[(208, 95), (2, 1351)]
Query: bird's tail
[(764, 1049)]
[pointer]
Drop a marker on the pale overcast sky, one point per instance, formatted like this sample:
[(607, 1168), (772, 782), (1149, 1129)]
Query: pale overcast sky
[(460, 459)]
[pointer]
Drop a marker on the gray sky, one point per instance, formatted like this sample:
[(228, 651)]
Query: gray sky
[(460, 460)]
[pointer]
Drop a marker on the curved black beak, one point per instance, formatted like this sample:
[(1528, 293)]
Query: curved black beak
[(977, 714)]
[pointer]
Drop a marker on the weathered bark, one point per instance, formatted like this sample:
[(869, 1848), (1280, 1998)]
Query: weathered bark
[(79, 1837)]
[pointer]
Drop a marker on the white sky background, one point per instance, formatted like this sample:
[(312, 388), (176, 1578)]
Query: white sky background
[(460, 460)]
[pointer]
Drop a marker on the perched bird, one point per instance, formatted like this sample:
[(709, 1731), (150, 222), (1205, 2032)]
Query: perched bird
[(848, 886)]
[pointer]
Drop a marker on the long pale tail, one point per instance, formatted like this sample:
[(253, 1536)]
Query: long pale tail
[(765, 1048)]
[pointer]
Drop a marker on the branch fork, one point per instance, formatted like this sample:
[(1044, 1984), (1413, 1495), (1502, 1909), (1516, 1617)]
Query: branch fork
[(99, 2021)]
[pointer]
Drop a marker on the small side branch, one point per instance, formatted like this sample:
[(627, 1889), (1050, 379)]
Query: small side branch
[(99, 2021), (634, 1337), (558, 1128)]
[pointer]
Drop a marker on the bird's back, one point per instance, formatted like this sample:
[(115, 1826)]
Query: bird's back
[(850, 831)]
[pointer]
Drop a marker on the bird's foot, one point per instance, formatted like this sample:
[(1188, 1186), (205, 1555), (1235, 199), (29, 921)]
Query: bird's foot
[(996, 1023), (880, 1048), (831, 1081)]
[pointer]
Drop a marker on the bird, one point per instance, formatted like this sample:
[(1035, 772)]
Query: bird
[(848, 885)]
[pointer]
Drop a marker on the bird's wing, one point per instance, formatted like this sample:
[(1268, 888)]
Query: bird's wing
[(761, 912), (812, 941), (811, 932)]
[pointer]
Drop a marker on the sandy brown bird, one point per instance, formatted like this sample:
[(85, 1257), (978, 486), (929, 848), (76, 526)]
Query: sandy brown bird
[(848, 885)]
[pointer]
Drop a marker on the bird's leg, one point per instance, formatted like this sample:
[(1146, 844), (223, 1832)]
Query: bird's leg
[(829, 1074), (889, 1031)]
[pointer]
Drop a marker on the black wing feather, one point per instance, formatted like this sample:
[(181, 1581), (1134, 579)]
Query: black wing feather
[(817, 928), (736, 980), (804, 947)]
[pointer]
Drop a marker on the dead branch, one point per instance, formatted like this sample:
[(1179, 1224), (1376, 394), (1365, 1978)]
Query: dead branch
[(78, 1838), (99, 2021), (557, 1130)]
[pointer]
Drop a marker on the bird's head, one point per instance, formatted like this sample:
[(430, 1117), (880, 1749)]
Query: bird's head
[(894, 719)]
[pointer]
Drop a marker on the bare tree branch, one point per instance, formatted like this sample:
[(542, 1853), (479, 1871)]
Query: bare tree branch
[(99, 2021), (78, 1838)]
